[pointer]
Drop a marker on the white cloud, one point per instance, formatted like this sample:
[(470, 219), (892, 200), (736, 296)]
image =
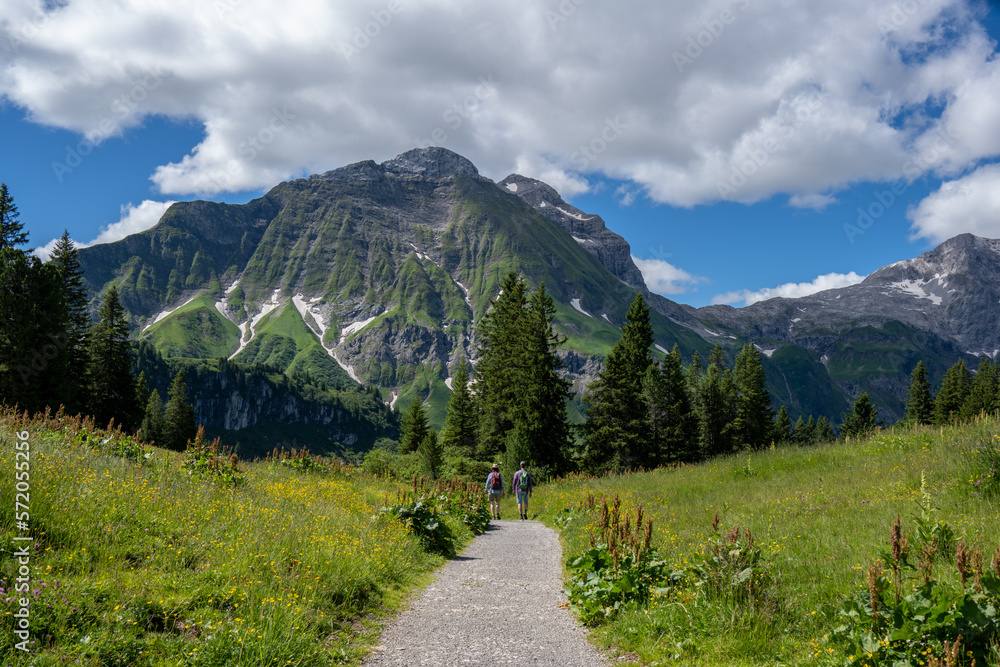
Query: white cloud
[(793, 97), (814, 201), (789, 290), (134, 219), (969, 204), (664, 278)]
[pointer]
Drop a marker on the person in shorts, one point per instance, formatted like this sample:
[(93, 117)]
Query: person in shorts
[(494, 487), (523, 486)]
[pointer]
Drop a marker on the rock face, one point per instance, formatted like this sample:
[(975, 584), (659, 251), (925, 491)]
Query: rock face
[(589, 231)]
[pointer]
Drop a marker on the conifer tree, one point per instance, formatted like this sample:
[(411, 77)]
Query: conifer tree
[(179, 424), (716, 410), (617, 428), (431, 455), (754, 421), (112, 392), (517, 448), (982, 391), (66, 261), (861, 420), (414, 427), (11, 230), (500, 366), (952, 394), (460, 427), (695, 372), (153, 421), (544, 393), (824, 431), (782, 426), (919, 403), (673, 424)]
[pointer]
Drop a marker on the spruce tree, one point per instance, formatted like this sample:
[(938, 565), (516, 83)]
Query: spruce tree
[(11, 230), (66, 262), (695, 372), (112, 394), (154, 419), (861, 420), (544, 393), (952, 394), (431, 455), (517, 448), (982, 391), (179, 424), (919, 403), (716, 410), (500, 366), (460, 427), (617, 428), (754, 421), (414, 427), (824, 431), (673, 424), (782, 426)]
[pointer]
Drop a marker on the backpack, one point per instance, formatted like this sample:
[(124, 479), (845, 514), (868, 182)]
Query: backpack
[(523, 482), (497, 482)]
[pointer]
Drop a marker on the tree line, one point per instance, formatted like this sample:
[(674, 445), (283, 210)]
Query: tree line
[(53, 354)]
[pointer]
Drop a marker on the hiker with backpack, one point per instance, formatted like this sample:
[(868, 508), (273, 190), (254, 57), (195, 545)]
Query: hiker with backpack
[(494, 487), (523, 486)]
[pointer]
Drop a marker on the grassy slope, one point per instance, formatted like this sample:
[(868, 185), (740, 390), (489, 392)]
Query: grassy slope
[(822, 514), (141, 563), (196, 329)]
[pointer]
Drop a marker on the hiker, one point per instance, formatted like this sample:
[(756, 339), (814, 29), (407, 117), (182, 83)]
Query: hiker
[(494, 486), (523, 486)]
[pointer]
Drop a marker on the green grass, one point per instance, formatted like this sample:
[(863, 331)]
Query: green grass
[(821, 515), (136, 561), (196, 329)]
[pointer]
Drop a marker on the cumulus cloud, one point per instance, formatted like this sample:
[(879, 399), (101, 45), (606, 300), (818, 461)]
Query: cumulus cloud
[(698, 102), (970, 204), (789, 290), (134, 219), (665, 278)]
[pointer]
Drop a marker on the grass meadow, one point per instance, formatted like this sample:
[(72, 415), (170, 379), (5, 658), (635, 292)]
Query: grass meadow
[(139, 558)]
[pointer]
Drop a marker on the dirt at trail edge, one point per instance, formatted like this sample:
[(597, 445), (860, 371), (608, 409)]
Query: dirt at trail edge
[(496, 603)]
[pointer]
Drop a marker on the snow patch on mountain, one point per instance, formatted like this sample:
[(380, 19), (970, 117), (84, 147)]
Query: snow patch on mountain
[(512, 187), (167, 313), (916, 288), (354, 327), (576, 304)]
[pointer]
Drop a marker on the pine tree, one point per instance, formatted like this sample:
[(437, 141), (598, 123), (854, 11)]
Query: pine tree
[(952, 394), (414, 427), (982, 391), (861, 420), (799, 436), (617, 429), (11, 230), (919, 403), (754, 421), (179, 424), (716, 410), (112, 393), (544, 393), (517, 448), (672, 422), (500, 366), (431, 455), (824, 431), (460, 427), (782, 426), (154, 419), (141, 397), (66, 262), (694, 374)]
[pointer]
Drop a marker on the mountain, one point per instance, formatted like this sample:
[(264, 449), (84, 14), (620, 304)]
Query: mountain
[(376, 275)]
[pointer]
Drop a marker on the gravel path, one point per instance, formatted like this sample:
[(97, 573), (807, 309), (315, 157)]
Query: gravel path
[(498, 602)]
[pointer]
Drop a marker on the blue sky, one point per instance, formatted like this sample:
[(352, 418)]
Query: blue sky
[(744, 148)]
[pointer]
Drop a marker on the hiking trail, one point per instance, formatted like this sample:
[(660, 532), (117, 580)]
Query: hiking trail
[(496, 602)]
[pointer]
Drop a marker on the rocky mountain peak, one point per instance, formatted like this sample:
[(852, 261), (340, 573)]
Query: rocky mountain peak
[(433, 162), (963, 255)]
